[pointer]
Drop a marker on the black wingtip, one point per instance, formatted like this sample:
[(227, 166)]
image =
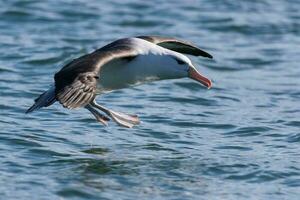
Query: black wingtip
[(209, 56), (205, 54)]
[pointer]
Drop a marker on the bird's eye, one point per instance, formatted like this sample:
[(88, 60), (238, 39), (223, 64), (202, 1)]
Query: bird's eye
[(180, 62)]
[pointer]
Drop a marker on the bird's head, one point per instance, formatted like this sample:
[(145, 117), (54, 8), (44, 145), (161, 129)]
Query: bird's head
[(183, 67)]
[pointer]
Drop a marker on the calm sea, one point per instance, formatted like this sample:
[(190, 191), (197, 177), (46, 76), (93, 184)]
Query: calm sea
[(239, 140)]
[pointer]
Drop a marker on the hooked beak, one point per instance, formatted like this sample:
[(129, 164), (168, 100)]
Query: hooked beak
[(194, 74)]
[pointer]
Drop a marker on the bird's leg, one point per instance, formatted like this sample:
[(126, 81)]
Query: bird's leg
[(120, 118), (99, 117)]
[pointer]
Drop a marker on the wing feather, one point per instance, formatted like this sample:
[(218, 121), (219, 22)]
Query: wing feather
[(75, 83), (177, 45)]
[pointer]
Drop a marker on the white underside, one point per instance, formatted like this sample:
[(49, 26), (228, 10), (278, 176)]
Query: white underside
[(122, 74), (152, 63)]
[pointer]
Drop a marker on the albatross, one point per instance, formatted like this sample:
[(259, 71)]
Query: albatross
[(123, 63)]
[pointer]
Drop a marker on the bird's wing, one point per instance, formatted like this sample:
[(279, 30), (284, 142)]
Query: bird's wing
[(75, 83), (173, 44)]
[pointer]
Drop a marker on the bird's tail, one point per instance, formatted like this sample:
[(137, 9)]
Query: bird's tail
[(45, 99)]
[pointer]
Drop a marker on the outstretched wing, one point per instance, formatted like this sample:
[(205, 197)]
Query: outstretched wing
[(75, 83), (176, 45)]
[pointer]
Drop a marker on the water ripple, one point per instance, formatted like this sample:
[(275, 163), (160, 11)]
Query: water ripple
[(243, 134)]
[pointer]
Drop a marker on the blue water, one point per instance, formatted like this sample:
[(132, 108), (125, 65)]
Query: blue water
[(239, 140)]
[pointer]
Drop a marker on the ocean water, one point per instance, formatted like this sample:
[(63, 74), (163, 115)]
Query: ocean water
[(238, 140)]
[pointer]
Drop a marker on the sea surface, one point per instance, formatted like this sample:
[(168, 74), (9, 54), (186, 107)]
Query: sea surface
[(238, 140)]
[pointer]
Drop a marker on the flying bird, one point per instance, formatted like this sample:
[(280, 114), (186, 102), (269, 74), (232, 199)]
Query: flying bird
[(123, 63)]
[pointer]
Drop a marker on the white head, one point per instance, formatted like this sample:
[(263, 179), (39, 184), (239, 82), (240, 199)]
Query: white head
[(180, 66), (168, 64)]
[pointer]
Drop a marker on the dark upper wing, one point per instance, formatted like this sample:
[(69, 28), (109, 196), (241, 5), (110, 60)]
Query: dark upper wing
[(176, 45), (75, 83)]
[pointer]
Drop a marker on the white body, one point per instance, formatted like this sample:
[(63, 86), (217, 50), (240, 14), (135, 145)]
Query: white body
[(145, 62), (152, 63)]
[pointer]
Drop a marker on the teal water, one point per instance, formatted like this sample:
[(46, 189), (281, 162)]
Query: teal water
[(239, 140)]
